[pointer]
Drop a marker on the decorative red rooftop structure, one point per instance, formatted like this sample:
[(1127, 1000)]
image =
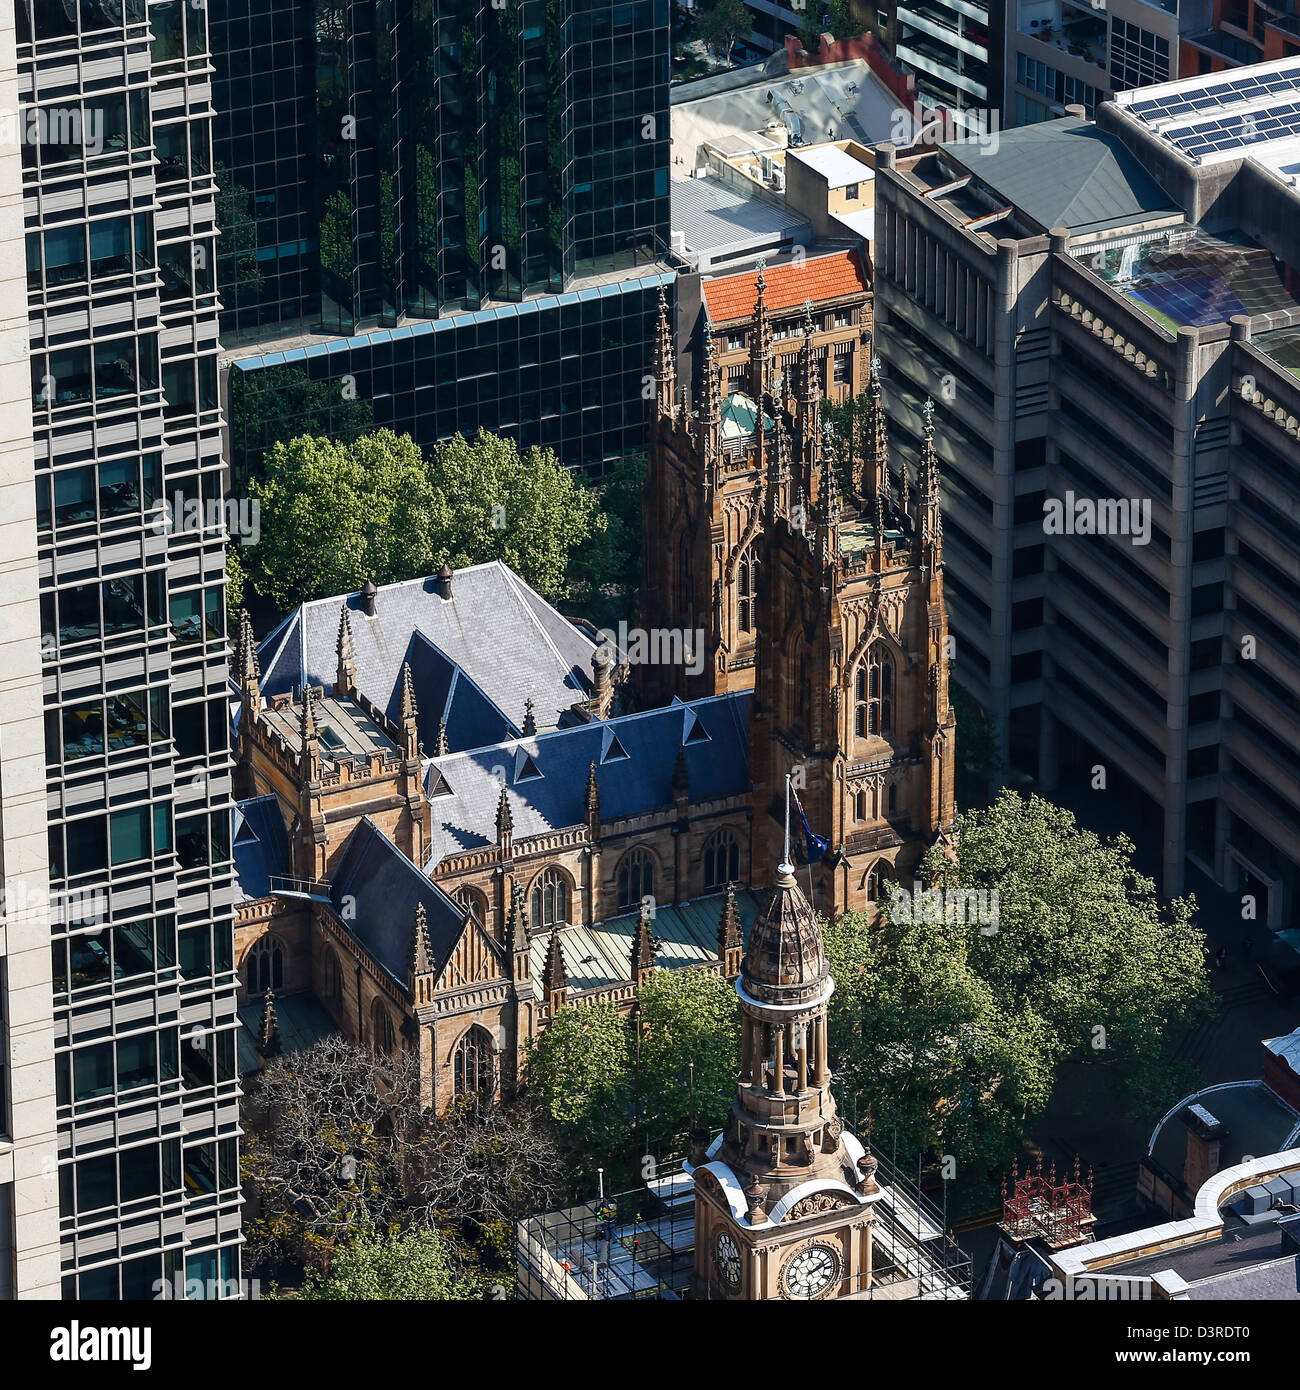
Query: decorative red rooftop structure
[(1040, 1208)]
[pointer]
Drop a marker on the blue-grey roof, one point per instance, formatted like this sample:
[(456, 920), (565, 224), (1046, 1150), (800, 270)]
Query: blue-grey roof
[(260, 845), (375, 891), (475, 658), (1064, 173), (546, 775)]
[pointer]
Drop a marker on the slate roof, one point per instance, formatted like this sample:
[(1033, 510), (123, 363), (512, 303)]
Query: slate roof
[(475, 658), (546, 775), (1065, 173), (819, 278), (684, 935), (260, 845), (375, 890)]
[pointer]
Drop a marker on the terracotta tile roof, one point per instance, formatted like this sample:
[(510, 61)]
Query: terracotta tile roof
[(819, 278)]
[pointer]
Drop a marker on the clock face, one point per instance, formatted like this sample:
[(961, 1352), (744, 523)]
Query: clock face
[(727, 1260), (809, 1272)]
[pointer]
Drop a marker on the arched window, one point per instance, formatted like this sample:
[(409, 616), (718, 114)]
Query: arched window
[(264, 966), (332, 978), (721, 859), (473, 1064), (873, 695), (636, 878), (472, 902), (747, 594), (381, 1030), (550, 900), (878, 876)]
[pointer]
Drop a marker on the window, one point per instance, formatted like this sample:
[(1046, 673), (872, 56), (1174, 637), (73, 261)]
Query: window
[(747, 593), (1138, 57), (721, 859), (636, 878), (332, 977), (873, 695), (472, 902), (264, 966), (381, 1029), (473, 1067), (549, 900)]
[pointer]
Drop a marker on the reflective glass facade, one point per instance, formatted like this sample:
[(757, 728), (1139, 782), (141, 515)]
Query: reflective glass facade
[(566, 372), (390, 158)]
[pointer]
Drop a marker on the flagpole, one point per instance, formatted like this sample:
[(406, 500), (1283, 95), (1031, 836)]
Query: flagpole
[(785, 859)]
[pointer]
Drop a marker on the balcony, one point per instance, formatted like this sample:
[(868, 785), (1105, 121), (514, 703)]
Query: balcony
[(1071, 28)]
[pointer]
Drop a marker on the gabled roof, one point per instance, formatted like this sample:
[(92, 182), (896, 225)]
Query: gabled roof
[(1064, 173), (375, 891), (475, 658), (260, 845), (714, 733), (819, 278)]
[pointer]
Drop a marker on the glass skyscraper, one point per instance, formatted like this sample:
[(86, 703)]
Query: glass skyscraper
[(383, 162), (122, 444)]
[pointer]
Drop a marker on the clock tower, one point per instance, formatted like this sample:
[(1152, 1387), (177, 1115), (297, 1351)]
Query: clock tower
[(785, 1197)]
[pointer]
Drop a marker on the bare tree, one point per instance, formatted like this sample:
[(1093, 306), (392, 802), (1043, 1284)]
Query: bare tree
[(488, 1163), (330, 1132)]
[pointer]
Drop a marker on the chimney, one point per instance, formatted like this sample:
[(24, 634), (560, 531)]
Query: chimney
[(445, 575), (368, 592), (1204, 1135)]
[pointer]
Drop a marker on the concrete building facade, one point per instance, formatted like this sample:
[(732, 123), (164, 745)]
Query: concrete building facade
[(1112, 322)]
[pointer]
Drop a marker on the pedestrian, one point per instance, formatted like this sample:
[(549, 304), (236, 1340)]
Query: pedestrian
[(1221, 957)]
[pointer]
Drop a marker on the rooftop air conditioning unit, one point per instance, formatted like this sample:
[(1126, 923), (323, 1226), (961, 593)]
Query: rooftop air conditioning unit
[(767, 166), (778, 180), (678, 240)]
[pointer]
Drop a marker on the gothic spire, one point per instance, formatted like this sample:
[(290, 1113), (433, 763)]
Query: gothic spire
[(516, 927), (591, 801), (760, 342), (505, 821), (643, 948), (407, 711), (268, 1034), (875, 467), (530, 720), (419, 953), (930, 522), (729, 937), (346, 677), (665, 360), (555, 979), (440, 739), (711, 385)]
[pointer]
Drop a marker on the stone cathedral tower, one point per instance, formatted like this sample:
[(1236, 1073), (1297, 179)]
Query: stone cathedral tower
[(785, 1198), (851, 697), (829, 605)]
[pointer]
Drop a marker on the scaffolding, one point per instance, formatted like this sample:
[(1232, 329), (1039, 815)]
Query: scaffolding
[(641, 1244)]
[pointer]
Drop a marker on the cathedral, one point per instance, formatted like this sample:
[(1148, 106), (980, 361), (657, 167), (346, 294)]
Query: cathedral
[(817, 582), (461, 811)]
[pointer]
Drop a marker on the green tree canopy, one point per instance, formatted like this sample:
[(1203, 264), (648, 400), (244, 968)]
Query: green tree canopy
[(579, 1072), (526, 510), (687, 1016), (418, 1264), (724, 23), (949, 1036), (333, 515)]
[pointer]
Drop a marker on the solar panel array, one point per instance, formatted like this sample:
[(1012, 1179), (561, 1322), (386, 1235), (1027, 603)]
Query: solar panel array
[(1241, 86), (1237, 132)]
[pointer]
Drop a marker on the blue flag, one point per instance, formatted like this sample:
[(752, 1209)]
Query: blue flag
[(814, 845)]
